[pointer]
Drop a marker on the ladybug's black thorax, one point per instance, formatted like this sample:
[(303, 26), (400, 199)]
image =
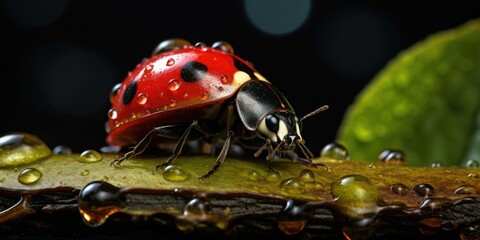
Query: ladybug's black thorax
[(256, 99)]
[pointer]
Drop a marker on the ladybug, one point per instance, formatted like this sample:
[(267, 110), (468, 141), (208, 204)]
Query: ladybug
[(186, 92)]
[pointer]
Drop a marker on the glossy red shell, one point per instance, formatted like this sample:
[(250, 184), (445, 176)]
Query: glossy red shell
[(162, 97)]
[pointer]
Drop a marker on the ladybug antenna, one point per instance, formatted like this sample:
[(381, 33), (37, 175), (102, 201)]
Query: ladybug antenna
[(320, 109)]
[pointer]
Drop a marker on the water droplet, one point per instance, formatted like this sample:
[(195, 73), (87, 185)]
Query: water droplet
[(195, 212), (21, 148), (89, 156), (172, 103), (437, 164), (355, 194), (29, 176), (293, 218), (254, 175), (84, 172), (293, 185), (61, 149), (473, 175), (224, 79), (148, 69), (223, 46), (200, 45), (97, 201), (173, 85), (112, 114), (114, 92), (335, 151), (424, 189), (174, 173), (272, 176), (142, 98), (307, 176), (472, 163), (204, 96), (170, 62), (465, 190), (392, 157), (399, 188), (169, 45)]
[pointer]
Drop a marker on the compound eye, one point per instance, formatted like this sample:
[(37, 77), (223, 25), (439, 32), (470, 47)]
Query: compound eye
[(272, 123)]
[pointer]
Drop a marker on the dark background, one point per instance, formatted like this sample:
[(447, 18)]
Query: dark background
[(61, 58)]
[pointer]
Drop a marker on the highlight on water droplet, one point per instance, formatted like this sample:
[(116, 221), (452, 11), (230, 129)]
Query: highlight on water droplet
[(173, 85), (142, 98), (172, 103), (114, 92), (170, 62), (466, 190), (112, 114), (436, 164), (97, 201), (392, 157), (174, 173), (196, 213), (89, 156), (335, 151), (29, 176), (21, 148)]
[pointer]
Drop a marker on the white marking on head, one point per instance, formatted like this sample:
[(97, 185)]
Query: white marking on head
[(265, 131)]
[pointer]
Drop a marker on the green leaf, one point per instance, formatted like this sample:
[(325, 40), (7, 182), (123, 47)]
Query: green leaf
[(425, 102)]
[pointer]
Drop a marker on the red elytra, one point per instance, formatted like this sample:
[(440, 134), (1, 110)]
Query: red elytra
[(162, 96)]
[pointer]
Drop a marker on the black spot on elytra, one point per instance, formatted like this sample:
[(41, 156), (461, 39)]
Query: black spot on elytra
[(193, 71), (129, 93), (244, 68)]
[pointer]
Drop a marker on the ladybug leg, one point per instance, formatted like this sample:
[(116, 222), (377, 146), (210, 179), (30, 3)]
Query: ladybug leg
[(178, 147), (307, 161), (221, 157), (138, 149)]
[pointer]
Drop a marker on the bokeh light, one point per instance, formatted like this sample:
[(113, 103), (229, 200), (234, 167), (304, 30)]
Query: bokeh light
[(277, 16), (33, 13), (355, 41)]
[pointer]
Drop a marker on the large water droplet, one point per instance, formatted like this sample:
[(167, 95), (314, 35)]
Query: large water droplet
[(142, 98), (356, 195), (84, 173), (224, 79), (335, 151), (97, 201), (173, 85), (293, 218), (272, 176), (21, 148), (89, 156), (29, 176), (392, 157), (174, 173)]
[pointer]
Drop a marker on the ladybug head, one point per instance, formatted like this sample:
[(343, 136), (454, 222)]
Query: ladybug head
[(282, 129)]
